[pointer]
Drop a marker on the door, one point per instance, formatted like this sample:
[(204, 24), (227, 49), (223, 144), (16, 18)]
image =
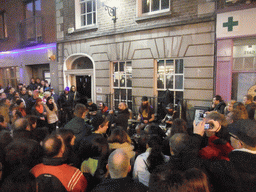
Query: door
[(83, 84)]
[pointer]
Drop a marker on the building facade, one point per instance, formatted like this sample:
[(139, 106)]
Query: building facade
[(27, 41), (137, 48), (236, 49)]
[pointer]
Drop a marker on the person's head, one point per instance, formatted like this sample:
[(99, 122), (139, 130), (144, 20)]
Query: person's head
[(39, 101), (35, 94), (3, 95), (73, 88), (217, 99), (11, 90), (42, 83), (101, 106), (41, 90), (6, 102), (80, 110), (99, 147), (230, 105), (21, 124), (144, 101), (30, 93), (89, 101), (243, 134), (49, 101), (53, 146), (66, 90), (118, 164), (118, 135), (178, 142), (178, 126), (47, 94), (122, 106), (23, 90), (3, 123), (100, 124), (247, 99), (170, 108), (240, 111), (214, 115), (51, 89), (32, 80), (67, 135), (20, 103), (32, 120)]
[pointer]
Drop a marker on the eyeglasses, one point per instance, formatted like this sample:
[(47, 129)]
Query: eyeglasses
[(235, 137)]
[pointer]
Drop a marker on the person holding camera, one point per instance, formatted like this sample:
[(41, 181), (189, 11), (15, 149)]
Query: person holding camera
[(218, 146)]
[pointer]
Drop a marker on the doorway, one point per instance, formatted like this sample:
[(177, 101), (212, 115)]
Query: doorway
[(84, 86)]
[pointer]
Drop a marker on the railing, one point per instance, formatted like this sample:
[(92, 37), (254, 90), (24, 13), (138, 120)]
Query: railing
[(30, 31), (159, 107)]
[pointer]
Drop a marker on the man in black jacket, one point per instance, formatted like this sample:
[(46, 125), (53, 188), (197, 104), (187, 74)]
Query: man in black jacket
[(118, 167), (218, 104), (236, 175), (122, 116)]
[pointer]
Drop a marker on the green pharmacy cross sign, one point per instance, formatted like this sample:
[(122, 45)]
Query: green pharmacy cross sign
[(230, 24)]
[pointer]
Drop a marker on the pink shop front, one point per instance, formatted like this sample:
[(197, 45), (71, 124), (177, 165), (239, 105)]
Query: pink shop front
[(236, 54)]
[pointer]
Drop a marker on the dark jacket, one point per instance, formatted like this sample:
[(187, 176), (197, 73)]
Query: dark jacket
[(236, 175), (251, 110), (121, 119), (124, 184), (220, 107), (65, 102)]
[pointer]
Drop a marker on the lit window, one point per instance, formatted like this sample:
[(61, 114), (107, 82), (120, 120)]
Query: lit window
[(122, 83), (3, 28), (153, 6), (85, 13), (9, 76), (170, 75)]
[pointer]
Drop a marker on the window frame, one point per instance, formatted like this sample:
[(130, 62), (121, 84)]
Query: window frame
[(139, 9), (3, 23), (78, 14), (120, 73)]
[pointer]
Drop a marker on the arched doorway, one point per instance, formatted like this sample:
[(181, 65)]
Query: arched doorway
[(79, 70)]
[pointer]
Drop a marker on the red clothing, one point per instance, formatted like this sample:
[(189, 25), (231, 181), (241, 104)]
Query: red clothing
[(23, 112), (70, 177), (216, 151)]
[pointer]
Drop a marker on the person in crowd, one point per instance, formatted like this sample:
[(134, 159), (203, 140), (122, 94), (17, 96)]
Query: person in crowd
[(21, 107), (41, 92), (51, 114), (46, 86), (3, 96), (14, 113), (32, 86), (68, 138), (3, 123), (239, 173), (40, 111), (146, 115), (42, 84), (19, 86), (119, 139), (146, 162), (47, 94), (103, 109), (250, 106), (170, 115), (32, 101), (54, 164), (54, 95), (75, 96), (178, 126), (240, 107), (121, 118), (92, 107), (100, 126), (11, 93), (218, 104), (4, 109), (65, 104), (1, 89), (174, 180), (78, 125), (38, 82), (229, 108), (22, 129), (23, 94), (119, 167)]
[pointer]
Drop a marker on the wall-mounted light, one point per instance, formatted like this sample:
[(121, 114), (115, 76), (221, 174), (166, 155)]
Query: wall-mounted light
[(111, 11)]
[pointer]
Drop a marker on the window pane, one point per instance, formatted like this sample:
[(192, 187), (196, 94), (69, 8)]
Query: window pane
[(179, 82), (121, 66), (238, 64), (89, 19), (123, 94), (128, 68), (179, 96), (160, 81), (94, 5), (115, 66), (83, 8), (116, 93), (12, 72), (116, 79), (248, 63), (160, 66), (129, 80), (155, 5), (83, 20), (165, 4), (169, 81), (29, 10), (122, 81), (169, 66), (94, 18), (89, 6), (130, 94), (145, 6), (179, 66)]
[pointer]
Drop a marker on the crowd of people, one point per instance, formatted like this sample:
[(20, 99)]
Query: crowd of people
[(51, 142)]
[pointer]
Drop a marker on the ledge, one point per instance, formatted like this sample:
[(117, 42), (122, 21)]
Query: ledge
[(153, 16), (89, 28)]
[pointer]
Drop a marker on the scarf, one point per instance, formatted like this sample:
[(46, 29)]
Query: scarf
[(40, 108)]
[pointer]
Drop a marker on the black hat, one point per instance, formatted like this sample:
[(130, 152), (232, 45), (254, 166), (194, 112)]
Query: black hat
[(97, 121), (245, 130), (144, 98)]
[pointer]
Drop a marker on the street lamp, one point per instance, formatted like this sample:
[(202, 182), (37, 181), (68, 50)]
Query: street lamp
[(111, 11)]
